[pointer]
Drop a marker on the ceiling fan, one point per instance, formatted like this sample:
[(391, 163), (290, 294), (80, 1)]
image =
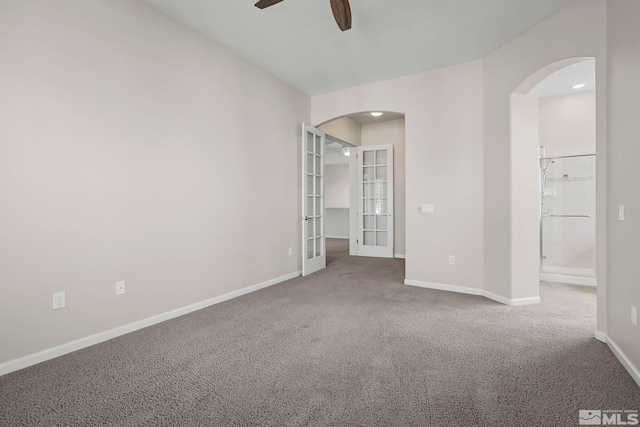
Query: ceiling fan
[(340, 8)]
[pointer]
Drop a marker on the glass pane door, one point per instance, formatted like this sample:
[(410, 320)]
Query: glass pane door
[(376, 198), (313, 243)]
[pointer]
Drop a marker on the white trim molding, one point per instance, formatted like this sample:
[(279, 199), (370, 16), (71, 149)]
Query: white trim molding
[(564, 278), (443, 287), (401, 256), (524, 301), (601, 336), (496, 297), (66, 348), (623, 359), (473, 291), (337, 237)]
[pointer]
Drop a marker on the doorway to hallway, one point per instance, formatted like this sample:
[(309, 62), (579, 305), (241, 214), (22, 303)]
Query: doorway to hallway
[(356, 194)]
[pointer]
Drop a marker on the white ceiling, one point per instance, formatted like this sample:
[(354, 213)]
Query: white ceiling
[(333, 154), (299, 42), (561, 82), (367, 118)]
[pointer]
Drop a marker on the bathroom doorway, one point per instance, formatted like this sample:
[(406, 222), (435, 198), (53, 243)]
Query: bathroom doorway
[(567, 139)]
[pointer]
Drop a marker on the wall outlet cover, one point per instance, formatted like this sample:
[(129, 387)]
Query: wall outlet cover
[(120, 287), (59, 300)]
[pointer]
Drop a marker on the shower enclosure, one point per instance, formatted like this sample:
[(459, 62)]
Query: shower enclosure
[(567, 224)]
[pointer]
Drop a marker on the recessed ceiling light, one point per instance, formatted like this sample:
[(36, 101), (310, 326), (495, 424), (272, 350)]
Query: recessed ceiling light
[(376, 114), (578, 86)]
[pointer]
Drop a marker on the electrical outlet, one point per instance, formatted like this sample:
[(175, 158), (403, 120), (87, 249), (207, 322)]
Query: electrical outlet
[(290, 251), (120, 287), (59, 300), (452, 259), (634, 315)]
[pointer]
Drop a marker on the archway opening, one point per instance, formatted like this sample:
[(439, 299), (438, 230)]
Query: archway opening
[(553, 178), (364, 130)]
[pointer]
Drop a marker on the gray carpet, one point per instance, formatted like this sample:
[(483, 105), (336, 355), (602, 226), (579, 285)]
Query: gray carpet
[(350, 345)]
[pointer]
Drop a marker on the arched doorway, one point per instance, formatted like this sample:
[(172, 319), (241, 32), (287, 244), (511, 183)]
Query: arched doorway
[(363, 131), (526, 188)]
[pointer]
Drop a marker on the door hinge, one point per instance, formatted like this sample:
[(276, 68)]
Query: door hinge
[(357, 241)]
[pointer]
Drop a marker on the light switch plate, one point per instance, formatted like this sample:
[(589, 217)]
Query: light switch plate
[(427, 209), (621, 212)]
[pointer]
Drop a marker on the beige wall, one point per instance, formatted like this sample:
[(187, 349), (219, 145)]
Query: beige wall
[(392, 132), (624, 175), (568, 122), (443, 162), (525, 235), (345, 129), (129, 152), (336, 223), (336, 186)]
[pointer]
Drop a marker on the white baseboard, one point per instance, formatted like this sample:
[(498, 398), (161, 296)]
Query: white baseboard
[(564, 278), (525, 301), (601, 336), (60, 350), (568, 271), (496, 297), (624, 360), (401, 256), (443, 287), (337, 237), (473, 291)]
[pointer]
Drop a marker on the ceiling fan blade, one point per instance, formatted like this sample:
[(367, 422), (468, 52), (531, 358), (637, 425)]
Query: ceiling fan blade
[(266, 3), (342, 13)]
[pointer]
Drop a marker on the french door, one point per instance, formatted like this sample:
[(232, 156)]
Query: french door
[(375, 201), (314, 256)]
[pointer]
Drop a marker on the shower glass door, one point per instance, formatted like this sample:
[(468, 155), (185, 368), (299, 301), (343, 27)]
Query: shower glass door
[(568, 196)]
